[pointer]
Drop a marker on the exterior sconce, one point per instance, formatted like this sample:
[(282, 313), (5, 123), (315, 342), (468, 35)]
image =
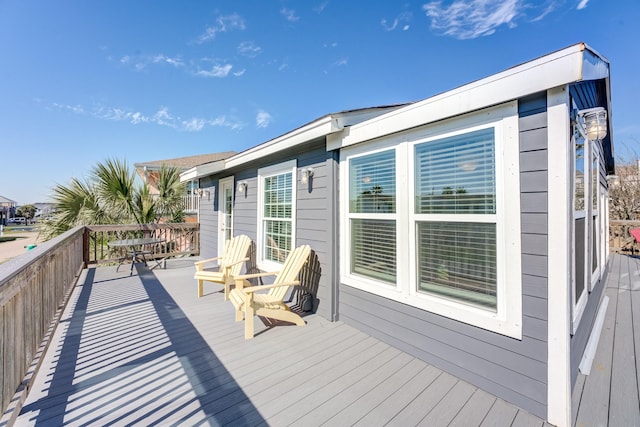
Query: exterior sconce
[(242, 187), (307, 174), (202, 193), (593, 122)]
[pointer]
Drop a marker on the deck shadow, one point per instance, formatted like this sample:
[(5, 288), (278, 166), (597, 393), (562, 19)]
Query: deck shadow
[(130, 355)]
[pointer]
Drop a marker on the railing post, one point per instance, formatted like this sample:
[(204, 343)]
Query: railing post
[(85, 247)]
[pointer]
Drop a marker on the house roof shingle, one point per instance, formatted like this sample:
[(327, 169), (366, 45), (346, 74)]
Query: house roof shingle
[(186, 162)]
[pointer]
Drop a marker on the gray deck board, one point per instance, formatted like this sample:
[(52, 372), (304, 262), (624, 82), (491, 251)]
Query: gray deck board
[(623, 406), (376, 395), (500, 414), (143, 349), (424, 403), (449, 406), (609, 395), (475, 410)]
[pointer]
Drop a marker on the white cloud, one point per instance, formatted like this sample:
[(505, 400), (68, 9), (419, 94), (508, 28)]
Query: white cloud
[(289, 14), (263, 119), (162, 117), (473, 18), (550, 8), (400, 19), (176, 62), (320, 8), (240, 73), (249, 49), (224, 121), (219, 71), (341, 62), (141, 62), (222, 25), (582, 4), (193, 125)]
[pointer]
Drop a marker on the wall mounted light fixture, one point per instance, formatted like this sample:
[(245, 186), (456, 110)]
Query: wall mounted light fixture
[(242, 187), (593, 123), (202, 193), (306, 175)]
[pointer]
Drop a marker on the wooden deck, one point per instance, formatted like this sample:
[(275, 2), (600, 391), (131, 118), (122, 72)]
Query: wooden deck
[(608, 396), (143, 349)]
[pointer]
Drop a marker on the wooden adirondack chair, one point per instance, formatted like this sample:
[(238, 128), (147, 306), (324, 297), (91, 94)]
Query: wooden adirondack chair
[(230, 263), (248, 302)]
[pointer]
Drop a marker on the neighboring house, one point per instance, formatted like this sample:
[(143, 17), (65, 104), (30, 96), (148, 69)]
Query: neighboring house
[(467, 229), (149, 172), (44, 210), (7, 209)]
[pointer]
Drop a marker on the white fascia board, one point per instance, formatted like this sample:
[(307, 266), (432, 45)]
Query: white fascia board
[(202, 170), (317, 129), (189, 174), (556, 69)]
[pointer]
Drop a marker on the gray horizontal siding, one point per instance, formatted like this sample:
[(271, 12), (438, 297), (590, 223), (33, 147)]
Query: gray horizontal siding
[(313, 218), (209, 223), (515, 370)]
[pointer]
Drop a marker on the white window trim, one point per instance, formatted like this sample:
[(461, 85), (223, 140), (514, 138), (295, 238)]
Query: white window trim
[(278, 169), (507, 319)]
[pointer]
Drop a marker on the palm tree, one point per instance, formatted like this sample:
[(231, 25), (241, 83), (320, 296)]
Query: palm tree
[(113, 195)]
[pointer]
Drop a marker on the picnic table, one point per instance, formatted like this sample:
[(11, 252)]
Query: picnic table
[(136, 249)]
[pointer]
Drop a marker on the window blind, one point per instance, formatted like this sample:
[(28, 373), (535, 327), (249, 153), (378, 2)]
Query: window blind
[(456, 175)]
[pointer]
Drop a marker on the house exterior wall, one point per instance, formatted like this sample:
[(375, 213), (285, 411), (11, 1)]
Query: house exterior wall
[(589, 94), (512, 369), (314, 213)]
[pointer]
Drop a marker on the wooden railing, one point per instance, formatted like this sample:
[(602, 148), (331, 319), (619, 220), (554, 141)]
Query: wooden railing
[(35, 287), (191, 203), (181, 239), (620, 240)]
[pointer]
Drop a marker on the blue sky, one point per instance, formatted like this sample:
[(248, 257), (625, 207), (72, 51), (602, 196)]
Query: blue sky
[(84, 81)]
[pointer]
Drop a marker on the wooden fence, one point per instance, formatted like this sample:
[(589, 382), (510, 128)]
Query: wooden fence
[(182, 239), (620, 240), (35, 287)]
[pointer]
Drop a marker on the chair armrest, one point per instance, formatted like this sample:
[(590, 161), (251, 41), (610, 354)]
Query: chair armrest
[(204, 261), (251, 289)]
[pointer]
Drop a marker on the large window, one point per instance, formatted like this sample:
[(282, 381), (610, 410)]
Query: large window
[(276, 222), (428, 222)]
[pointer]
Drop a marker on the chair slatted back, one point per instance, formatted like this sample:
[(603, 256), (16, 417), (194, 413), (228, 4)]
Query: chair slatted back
[(290, 270), (235, 249)]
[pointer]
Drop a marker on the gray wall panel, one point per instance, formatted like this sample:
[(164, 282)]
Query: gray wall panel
[(534, 223), (533, 202), (534, 244), (534, 139), (533, 160)]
